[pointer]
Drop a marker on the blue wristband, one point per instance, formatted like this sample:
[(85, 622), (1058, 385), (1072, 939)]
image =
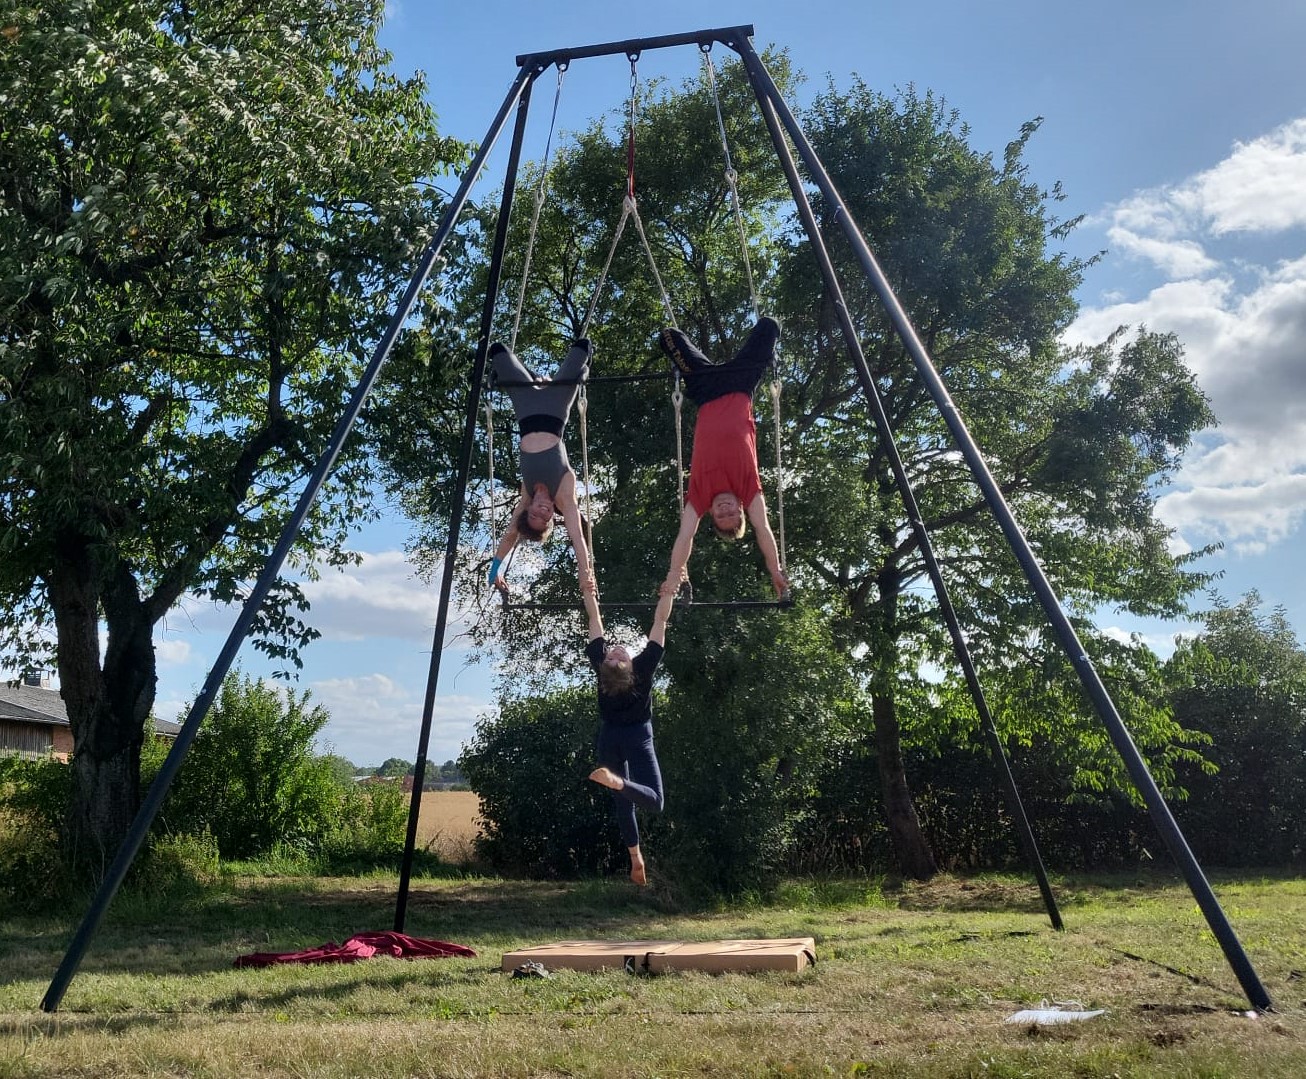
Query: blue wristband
[(494, 569)]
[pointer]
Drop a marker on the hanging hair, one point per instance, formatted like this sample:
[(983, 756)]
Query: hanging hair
[(730, 533), (528, 531), (614, 680)]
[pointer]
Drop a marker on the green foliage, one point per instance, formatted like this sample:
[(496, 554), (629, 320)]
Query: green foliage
[(35, 790), (1242, 682), (250, 779), (175, 867), (205, 213), (740, 741), (342, 768), (395, 768), (529, 766), (1080, 442), (33, 796), (372, 828)]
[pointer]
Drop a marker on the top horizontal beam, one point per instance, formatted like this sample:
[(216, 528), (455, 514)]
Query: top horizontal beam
[(633, 47)]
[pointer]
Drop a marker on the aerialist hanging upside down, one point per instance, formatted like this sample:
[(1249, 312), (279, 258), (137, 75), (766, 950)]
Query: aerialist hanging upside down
[(627, 761), (723, 474), (548, 482)]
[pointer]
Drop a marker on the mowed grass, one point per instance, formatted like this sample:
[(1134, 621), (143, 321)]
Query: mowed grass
[(913, 980)]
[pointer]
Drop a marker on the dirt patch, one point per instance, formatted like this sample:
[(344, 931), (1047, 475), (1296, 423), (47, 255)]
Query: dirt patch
[(449, 824)]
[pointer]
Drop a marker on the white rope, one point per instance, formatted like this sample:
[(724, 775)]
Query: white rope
[(732, 178), (627, 206), (652, 263), (489, 461), (677, 397), (779, 473), (535, 216)]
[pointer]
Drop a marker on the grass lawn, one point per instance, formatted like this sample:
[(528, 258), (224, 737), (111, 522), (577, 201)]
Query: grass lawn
[(912, 980)]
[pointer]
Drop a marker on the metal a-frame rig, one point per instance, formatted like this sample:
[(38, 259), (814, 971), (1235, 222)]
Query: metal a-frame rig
[(785, 132)]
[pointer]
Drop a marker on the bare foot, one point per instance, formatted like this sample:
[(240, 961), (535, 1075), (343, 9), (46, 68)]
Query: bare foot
[(637, 873), (606, 777)]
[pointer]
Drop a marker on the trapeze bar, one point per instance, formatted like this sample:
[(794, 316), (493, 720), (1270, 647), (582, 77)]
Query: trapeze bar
[(634, 46), (646, 605), (593, 380)]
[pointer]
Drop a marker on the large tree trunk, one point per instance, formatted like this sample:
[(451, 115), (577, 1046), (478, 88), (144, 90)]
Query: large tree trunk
[(108, 705), (915, 858)]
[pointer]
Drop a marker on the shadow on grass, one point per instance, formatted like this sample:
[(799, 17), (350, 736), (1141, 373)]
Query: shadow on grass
[(148, 935), (203, 933)]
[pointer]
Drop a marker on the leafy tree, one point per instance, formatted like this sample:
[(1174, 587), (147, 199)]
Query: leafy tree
[(251, 779), (1079, 440), (395, 768), (529, 765), (204, 211), (1242, 683), (343, 769)]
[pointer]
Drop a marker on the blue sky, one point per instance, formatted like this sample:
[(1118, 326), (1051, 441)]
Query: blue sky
[(1177, 128)]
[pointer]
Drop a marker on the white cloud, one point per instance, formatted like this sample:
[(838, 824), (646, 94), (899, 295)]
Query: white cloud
[(1251, 513), (1178, 258), (1257, 188), (380, 597), (171, 652), (1242, 321), (1161, 643), (373, 718)]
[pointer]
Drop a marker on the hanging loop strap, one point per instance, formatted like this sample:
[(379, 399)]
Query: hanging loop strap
[(535, 216), (629, 209), (779, 473), (633, 57), (732, 177)]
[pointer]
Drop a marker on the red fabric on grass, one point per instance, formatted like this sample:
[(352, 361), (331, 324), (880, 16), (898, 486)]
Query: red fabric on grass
[(362, 946)]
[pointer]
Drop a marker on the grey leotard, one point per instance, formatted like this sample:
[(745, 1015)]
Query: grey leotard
[(546, 467)]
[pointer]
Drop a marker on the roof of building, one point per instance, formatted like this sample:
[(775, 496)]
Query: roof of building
[(40, 704)]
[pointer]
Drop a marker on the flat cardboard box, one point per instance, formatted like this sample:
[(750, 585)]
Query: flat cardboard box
[(656, 956)]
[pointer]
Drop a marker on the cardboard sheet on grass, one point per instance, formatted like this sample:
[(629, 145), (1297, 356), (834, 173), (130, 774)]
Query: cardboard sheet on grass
[(655, 956)]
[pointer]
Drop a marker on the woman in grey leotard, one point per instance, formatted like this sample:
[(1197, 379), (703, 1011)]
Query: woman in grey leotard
[(542, 406)]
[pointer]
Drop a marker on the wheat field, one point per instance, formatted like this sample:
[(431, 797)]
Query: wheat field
[(449, 823)]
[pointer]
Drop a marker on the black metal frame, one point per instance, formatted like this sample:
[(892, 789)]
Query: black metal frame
[(781, 123)]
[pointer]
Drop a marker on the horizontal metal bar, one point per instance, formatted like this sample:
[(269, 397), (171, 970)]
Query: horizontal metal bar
[(648, 376), (740, 604), (634, 46)]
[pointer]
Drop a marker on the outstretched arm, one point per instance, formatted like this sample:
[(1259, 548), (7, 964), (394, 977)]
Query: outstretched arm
[(766, 543), (666, 598), (590, 595), (684, 544), (506, 544), (566, 503)]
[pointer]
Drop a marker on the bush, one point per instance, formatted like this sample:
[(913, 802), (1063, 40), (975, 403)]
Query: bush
[(173, 868), (373, 828), (530, 764), (251, 780), (33, 798)]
